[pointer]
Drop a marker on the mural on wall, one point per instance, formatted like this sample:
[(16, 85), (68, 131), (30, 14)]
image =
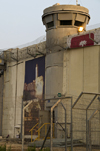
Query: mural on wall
[(33, 90)]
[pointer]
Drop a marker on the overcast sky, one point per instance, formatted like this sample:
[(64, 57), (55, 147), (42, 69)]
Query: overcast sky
[(20, 20)]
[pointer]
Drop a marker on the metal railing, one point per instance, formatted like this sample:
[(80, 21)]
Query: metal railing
[(39, 130), (32, 131)]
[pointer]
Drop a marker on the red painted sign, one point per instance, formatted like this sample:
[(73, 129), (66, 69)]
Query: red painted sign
[(82, 41)]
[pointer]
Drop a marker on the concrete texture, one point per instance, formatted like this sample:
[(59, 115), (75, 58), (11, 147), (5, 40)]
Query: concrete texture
[(12, 99), (1, 101), (13, 88), (67, 71), (56, 32)]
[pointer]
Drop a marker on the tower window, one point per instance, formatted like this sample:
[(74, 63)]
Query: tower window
[(78, 23), (65, 22), (50, 24)]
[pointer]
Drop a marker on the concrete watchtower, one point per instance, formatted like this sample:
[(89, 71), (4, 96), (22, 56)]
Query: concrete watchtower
[(60, 21), (63, 20)]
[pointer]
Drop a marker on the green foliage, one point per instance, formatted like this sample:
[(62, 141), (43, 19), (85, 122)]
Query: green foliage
[(31, 148), (69, 148), (9, 149), (34, 149), (46, 149), (3, 148)]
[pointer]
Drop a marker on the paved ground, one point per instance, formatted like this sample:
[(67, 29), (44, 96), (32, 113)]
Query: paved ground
[(56, 143)]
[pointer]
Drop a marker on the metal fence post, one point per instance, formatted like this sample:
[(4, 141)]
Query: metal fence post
[(86, 132), (23, 125), (51, 132), (52, 108), (23, 131), (71, 126), (89, 128), (65, 128), (89, 134), (65, 132)]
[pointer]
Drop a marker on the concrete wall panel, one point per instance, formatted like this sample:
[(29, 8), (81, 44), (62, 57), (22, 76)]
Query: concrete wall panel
[(75, 73), (13, 92), (1, 102), (54, 74), (91, 69)]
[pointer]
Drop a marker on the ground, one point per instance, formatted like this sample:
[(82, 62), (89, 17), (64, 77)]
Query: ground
[(15, 146)]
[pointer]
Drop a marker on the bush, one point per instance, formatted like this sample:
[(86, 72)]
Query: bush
[(31, 148), (3, 148), (46, 149), (34, 149), (9, 149)]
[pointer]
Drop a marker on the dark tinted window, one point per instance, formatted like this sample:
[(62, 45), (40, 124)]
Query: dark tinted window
[(66, 22), (50, 24), (78, 23)]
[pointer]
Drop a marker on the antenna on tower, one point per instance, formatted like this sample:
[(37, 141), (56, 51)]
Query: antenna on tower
[(76, 2)]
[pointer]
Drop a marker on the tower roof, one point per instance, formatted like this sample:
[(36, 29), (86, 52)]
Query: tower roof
[(63, 8)]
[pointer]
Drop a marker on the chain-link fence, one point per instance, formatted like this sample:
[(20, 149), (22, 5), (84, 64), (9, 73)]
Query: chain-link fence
[(57, 118), (74, 126), (86, 122), (61, 116)]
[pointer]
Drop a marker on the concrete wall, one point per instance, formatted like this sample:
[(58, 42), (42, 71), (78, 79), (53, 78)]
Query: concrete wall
[(13, 86), (77, 71), (12, 99), (81, 69), (54, 74), (1, 102)]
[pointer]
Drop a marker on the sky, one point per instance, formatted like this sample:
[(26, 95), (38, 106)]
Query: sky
[(21, 22)]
